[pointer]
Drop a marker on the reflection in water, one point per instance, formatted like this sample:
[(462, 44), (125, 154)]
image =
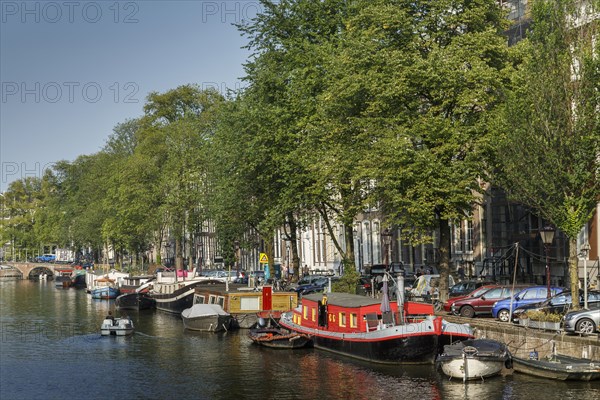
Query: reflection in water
[(51, 349)]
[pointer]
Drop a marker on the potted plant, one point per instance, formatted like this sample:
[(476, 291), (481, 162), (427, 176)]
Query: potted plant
[(543, 320)]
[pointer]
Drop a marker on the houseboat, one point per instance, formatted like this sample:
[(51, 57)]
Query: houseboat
[(356, 326), (63, 278), (246, 305), (130, 284)]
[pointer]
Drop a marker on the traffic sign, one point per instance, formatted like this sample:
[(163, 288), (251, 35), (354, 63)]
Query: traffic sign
[(263, 258)]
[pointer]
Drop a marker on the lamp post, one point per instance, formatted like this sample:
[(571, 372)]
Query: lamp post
[(585, 251), (357, 234), (547, 235), (236, 257), (387, 236)]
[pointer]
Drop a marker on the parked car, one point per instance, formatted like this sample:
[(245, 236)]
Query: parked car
[(45, 258), (482, 305), (465, 287), (364, 286), (583, 321), (305, 280), (535, 294), (559, 304), (475, 293), (317, 285)]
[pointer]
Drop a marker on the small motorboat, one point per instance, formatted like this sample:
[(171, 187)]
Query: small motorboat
[(117, 327), (474, 359), (207, 318), (279, 338), (558, 367)]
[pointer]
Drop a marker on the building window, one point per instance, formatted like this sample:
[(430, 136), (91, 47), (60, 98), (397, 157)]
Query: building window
[(469, 236), (212, 299), (342, 319), (221, 301)]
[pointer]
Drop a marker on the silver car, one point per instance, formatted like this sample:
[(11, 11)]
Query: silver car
[(583, 321)]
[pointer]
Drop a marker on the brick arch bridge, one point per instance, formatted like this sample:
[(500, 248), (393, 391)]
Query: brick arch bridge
[(27, 268)]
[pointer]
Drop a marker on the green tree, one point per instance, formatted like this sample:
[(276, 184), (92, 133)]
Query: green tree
[(417, 82), (179, 123), (547, 157), (20, 203), (291, 40)]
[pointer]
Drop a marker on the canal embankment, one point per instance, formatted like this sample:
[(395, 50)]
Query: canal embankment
[(523, 340)]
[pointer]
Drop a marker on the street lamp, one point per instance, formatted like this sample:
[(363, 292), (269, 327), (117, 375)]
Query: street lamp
[(585, 251), (236, 257), (357, 236), (547, 235), (387, 237)]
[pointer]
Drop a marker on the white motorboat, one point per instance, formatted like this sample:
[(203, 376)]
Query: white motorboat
[(117, 327), (206, 317), (474, 359)]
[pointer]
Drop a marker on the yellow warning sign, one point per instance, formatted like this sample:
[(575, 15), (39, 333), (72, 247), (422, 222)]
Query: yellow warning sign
[(263, 258)]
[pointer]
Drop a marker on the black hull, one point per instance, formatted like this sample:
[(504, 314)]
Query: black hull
[(79, 282), (420, 349), (134, 301)]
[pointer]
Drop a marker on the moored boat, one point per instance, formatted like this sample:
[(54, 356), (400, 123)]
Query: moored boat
[(134, 301), (133, 284), (173, 297), (105, 292), (246, 305), (474, 359), (372, 330), (117, 327), (63, 279), (207, 318), (558, 367), (279, 338)]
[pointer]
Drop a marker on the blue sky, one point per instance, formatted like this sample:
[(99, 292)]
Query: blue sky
[(71, 70)]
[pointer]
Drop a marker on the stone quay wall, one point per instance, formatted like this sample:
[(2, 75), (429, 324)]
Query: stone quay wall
[(521, 340)]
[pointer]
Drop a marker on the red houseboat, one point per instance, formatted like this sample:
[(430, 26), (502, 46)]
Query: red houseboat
[(356, 326)]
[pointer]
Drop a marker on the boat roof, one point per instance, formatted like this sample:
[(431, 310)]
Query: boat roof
[(202, 310), (344, 299)]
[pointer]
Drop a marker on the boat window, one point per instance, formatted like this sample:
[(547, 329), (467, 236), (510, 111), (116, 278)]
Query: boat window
[(212, 299), (250, 303), (353, 320), (331, 317), (199, 300), (313, 314), (342, 319), (305, 312), (221, 301)]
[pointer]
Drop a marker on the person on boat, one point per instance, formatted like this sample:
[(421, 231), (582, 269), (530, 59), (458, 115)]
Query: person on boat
[(110, 317)]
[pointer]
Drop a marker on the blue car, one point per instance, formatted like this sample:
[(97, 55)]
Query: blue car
[(534, 294), (45, 258)]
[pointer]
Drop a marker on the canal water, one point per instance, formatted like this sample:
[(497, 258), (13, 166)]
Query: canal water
[(50, 348)]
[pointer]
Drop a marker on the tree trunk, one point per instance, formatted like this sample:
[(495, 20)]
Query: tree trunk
[(444, 259), (270, 251), (293, 238), (574, 271), (178, 253), (348, 259)]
